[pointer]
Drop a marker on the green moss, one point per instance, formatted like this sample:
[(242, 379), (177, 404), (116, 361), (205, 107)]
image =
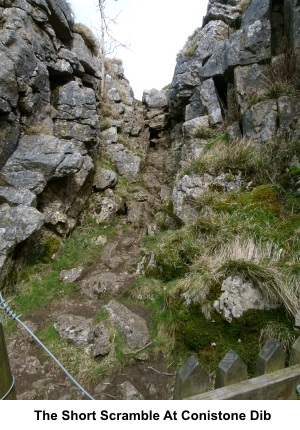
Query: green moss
[(267, 197), (52, 246), (242, 334), (294, 170), (190, 51)]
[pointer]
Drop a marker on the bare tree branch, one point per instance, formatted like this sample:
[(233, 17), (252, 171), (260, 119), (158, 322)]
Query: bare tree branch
[(107, 47)]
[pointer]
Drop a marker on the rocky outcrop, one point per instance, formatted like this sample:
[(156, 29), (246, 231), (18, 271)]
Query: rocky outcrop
[(232, 77), (238, 296), (48, 118)]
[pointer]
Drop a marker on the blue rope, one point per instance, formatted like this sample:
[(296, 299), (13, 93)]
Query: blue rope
[(4, 305)]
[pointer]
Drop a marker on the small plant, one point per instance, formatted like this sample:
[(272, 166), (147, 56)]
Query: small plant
[(110, 66), (278, 332), (40, 128), (104, 124), (204, 133), (190, 51), (281, 79), (194, 34)]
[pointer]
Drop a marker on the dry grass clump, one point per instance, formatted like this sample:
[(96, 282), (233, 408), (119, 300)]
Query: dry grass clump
[(88, 36), (40, 128), (111, 66), (260, 163), (258, 262), (241, 155), (278, 332), (282, 78)]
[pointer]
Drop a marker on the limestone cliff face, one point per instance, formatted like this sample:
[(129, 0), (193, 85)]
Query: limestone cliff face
[(53, 126), (48, 120), (224, 80)]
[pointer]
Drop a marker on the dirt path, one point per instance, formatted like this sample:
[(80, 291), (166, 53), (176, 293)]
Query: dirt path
[(145, 376)]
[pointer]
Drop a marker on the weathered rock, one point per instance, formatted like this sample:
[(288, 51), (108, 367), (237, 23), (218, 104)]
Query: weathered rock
[(94, 338), (260, 121), (128, 164), (227, 13), (71, 275), (110, 256), (132, 326), (39, 158), (109, 136), (17, 224), (155, 99), (104, 178), (98, 283), (210, 102), (16, 197), (251, 44), (129, 392), (76, 115), (289, 122), (250, 81), (192, 186), (192, 126), (111, 89), (234, 132), (238, 296), (106, 210), (186, 76), (61, 18), (84, 55)]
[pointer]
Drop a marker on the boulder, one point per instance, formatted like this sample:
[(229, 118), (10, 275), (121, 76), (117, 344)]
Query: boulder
[(71, 275), (127, 163), (260, 121), (190, 127), (129, 392), (238, 296), (84, 55), (39, 158), (14, 197), (17, 224), (98, 283), (104, 178), (155, 99), (132, 326), (84, 333)]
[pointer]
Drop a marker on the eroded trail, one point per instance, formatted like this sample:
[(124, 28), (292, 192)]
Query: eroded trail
[(101, 316)]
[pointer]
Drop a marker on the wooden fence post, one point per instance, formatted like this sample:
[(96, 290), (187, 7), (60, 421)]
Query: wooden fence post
[(7, 391)]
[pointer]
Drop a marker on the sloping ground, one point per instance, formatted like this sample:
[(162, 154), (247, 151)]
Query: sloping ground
[(108, 257)]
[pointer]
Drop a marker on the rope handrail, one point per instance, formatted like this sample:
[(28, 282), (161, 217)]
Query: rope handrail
[(6, 308)]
